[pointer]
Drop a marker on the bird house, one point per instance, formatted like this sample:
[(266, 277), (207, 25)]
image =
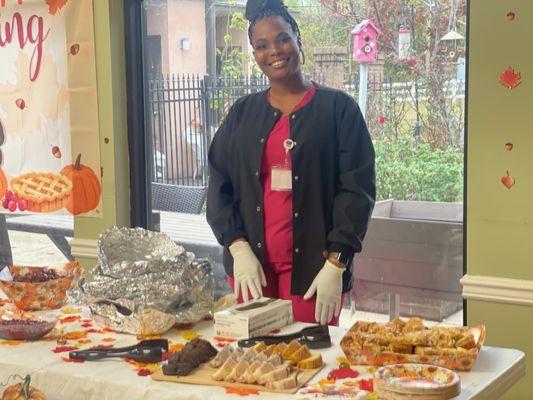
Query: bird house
[(365, 44)]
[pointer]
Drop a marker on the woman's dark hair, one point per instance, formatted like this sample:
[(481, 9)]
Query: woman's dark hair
[(260, 9)]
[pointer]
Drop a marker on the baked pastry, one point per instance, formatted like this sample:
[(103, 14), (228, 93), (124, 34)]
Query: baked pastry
[(237, 371), (291, 348), (259, 347), (300, 354), (249, 375), (222, 356), (225, 369), (279, 373), (275, 360), (288, 383), (280, 348), (311, 362), (42, 191)]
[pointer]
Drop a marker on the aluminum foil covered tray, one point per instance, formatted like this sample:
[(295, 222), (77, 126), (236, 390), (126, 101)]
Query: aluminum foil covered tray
[(144, 283)]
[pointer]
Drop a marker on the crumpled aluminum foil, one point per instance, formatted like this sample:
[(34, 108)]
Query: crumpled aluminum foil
[(144, 283)]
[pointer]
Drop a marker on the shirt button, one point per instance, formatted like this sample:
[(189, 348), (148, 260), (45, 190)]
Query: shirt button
[(275, 113), (262, 140), (259, 245), (297, 250), (258, 209), (293, 116), (296, 177), (256, 173), (295, 215)]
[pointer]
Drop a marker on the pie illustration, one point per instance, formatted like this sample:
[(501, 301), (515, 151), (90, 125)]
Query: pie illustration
[(43, 191)]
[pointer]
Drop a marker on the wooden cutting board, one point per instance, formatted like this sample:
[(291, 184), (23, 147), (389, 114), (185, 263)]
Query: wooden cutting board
[(202, 376)]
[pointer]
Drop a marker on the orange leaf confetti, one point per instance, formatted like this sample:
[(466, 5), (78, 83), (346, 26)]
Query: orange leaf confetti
[(144, 372), (174, 348), (11, 342), (510, 78), (190, 335), (73, 318), (75, 335), (241, 391), (64, 349), (84, 341), (55, 5), (70, 310), (108, 339), (72, 360)]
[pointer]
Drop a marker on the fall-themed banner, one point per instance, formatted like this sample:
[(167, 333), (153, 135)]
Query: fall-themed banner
[(49, 137)]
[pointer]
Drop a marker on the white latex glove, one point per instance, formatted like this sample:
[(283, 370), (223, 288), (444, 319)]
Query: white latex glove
[(328, 288), (248, 274)]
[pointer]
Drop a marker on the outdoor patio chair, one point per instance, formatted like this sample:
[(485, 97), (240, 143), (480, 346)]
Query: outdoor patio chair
[(177, 198)]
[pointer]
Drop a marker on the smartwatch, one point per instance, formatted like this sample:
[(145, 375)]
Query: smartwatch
[(340, 256)]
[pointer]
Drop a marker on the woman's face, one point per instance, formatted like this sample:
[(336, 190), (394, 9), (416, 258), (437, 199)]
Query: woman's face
[(276, 49)]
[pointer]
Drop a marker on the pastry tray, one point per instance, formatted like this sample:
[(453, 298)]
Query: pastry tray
[(463, 362), (202, 376)]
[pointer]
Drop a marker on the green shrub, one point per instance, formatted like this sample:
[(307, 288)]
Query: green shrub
[(407, 170)]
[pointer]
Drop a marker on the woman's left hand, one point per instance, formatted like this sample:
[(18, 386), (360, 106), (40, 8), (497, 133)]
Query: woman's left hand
[(328, 288)]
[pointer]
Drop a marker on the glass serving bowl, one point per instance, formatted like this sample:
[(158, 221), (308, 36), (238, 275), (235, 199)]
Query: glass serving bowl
[(26, 327)]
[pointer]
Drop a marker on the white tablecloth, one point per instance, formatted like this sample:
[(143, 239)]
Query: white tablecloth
[(494, 372)]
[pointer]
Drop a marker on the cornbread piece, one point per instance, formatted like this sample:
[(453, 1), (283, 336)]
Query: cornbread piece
[(269, 350), (259, 347), (300, 354), (291, 348), (311, 362), (280, 348)]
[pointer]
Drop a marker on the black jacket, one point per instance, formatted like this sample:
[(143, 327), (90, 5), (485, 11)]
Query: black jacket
[(333, 180)]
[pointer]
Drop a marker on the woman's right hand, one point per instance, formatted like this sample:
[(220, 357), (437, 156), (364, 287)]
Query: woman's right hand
[(248, 274)]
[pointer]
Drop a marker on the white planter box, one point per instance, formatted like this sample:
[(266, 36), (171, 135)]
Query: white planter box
[(414, 250)]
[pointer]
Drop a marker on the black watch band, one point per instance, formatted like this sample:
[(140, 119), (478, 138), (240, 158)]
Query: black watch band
[(341, 257)]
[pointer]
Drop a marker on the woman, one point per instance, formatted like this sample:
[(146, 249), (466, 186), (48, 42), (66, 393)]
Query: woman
[(292, 183)]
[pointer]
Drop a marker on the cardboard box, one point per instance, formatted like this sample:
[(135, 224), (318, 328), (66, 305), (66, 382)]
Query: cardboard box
[(255, 318)]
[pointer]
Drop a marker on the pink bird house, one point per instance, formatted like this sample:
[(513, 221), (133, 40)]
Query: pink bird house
[(365, 44)]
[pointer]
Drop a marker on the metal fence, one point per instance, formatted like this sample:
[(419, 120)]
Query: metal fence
[(184, 112)]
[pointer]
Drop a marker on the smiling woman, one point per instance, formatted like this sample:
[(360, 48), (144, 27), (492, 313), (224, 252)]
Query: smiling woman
[(291, 185)]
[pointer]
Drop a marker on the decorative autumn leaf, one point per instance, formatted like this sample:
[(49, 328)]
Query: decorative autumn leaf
[(55, 5), (510, 78), (241, 391)]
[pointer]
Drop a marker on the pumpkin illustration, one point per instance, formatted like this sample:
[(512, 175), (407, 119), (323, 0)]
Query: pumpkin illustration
[(23, 391), (3, 184), (85, 187)]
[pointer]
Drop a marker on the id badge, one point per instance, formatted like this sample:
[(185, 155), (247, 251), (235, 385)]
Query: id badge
[(281, 178)]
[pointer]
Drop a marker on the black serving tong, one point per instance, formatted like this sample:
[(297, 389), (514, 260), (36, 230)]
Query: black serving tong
[(315, 337), (145, 355), (149, 351)]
